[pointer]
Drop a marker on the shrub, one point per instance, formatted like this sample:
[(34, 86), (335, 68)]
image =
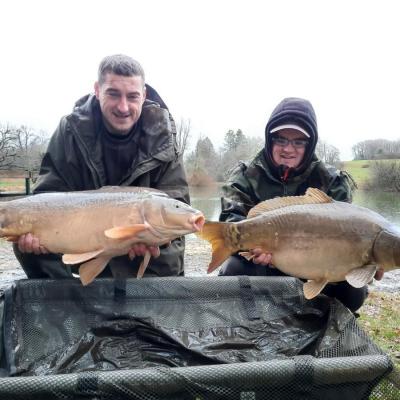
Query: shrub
[(385, 175)]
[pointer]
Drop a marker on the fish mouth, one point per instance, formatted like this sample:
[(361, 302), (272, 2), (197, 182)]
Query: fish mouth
[(197, 222)]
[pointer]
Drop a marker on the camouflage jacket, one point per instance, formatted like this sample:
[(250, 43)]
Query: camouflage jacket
[(74, 161), (249, 185)]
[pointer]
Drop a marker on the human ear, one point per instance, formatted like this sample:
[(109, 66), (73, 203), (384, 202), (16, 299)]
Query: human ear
[(97, 89)]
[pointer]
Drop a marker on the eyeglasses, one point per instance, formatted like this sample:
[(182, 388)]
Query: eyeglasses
[(283, 142)]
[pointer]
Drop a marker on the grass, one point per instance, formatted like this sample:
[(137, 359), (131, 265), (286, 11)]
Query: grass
[(12, 184), (380, 318), (360, 170)]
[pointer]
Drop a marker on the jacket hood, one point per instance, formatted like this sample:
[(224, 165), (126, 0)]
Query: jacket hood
[(292, 110)]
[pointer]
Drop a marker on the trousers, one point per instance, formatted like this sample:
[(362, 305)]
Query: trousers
[(353, 298)]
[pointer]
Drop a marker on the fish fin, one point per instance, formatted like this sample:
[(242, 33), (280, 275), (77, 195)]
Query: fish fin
[(80, 257), (312, 196), (213, 232), (16, 228), (10, 238), (313, 288), (247, 255), (359, 277), (89, 270), (143, 265), (125, 232)]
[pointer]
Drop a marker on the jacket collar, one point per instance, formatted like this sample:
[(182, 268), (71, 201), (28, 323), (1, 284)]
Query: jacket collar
[(155, 142), (261, 162)]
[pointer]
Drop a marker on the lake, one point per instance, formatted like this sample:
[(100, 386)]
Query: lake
[(208, 200)]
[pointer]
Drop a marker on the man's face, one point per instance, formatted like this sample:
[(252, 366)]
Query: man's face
[(121, 99), (290, 154)]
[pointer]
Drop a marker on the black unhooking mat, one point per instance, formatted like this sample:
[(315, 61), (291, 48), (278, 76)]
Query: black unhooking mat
[(184, 338)]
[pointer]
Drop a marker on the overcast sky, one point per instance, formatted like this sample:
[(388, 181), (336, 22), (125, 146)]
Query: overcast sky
[(222, 64)]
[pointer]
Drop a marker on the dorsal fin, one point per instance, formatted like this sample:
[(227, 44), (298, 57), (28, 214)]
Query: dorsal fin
[(312, 196)]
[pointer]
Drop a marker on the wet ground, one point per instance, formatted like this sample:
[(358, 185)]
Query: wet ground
[(197, 257)]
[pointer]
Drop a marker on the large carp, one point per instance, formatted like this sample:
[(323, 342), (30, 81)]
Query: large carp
[(91, 227), (311, 237)]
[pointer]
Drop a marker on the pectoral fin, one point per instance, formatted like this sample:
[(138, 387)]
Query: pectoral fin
[(13, 239), (313, 288), (247, 255), (80, 258), (92, 268), (125, 232), (359, 277), (144, 265)]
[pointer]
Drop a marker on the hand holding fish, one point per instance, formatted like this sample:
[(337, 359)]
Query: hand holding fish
[(379, 273), (30, 244), (140, 249), (258, 256)]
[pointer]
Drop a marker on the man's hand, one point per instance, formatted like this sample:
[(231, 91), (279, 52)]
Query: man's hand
[(379, 273), (260, 257), (140, 249), (30, 244)]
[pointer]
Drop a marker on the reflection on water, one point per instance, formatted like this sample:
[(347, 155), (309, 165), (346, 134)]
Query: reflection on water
[(384, 203), (208, 200)]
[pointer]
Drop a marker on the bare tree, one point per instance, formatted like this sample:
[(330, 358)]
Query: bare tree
[(21, 148), (182, 135), (8, 149), (385, 175), (29, 148), (238, 147), (376, 149), (327, 153)]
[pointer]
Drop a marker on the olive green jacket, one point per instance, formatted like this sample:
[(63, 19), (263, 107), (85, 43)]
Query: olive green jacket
[(73, 161), (249, 185)]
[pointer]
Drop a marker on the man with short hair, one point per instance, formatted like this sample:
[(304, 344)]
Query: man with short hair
[(123, 134), (286, 166)]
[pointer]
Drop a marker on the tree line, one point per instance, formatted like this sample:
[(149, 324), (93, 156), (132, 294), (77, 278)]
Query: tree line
[(22, 149), (206, 164), (376, 149)]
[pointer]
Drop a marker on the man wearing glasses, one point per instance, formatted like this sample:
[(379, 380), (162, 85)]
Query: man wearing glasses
[(286, 166)]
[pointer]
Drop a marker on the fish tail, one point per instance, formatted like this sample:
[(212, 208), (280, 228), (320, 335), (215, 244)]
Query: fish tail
[(213, 232)]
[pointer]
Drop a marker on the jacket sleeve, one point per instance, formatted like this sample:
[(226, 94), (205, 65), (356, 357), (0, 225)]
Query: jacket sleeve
[(57, 159), (237, 197)]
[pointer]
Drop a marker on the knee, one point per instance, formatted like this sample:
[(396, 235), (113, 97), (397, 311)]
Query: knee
[(234, 266), (353, 298)]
